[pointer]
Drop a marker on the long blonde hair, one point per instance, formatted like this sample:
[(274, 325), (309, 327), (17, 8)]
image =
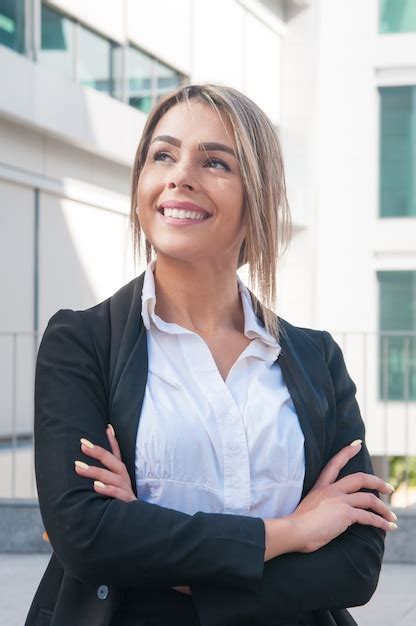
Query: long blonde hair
[(268, 223)]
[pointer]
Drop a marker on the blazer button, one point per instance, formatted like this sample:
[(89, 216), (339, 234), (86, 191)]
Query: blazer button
[(102, 592)]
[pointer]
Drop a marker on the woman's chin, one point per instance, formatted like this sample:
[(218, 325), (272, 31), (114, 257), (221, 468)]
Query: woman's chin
[(171, 254)]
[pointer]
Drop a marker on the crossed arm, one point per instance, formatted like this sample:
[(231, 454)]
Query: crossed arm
[(135, 543)]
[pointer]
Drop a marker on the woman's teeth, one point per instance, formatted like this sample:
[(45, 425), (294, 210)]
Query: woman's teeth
[(182, 215)]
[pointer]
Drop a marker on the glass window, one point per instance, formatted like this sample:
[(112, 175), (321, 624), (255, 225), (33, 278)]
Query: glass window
[(397, 16), (397, 352), (398, 151), (167, 79), (147, 79), (57, 42), (12, 24), (96, 61), (139, 68)]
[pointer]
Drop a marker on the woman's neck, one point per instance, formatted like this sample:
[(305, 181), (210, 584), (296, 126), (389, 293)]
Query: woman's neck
[(202, 297)]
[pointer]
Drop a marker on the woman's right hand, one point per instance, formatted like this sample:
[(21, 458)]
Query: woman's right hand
[(330, 508)]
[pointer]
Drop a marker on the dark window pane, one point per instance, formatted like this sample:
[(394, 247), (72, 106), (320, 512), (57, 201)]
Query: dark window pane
[(12, 24), (139, 69), (397, 16), (397, 353), (398, 151), (57, 36), (96, 61)]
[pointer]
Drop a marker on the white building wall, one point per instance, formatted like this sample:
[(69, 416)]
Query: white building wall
[(16, 308), (76, 147), (105, 16), (165, 29), (315, 75), (330, 123), (298, 97)]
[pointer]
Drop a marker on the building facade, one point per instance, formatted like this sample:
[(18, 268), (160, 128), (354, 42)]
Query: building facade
[(336, 77)]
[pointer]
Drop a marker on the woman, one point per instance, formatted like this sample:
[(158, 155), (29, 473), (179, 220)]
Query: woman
[(238, 498)]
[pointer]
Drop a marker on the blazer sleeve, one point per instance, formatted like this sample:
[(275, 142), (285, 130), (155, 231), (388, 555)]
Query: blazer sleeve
[(99, 539), (342, 574)]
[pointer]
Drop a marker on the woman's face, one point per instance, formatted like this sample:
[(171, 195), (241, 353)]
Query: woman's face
[(190, 193)]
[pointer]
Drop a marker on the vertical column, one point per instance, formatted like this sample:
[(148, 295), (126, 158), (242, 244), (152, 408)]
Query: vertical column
[(32, 20)]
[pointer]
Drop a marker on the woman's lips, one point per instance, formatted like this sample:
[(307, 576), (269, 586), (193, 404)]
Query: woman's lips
[(182, 221), (182, 205), (182, 213)]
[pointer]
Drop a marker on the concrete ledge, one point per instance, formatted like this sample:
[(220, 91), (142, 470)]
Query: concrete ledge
[(401, 544), (21, 527)]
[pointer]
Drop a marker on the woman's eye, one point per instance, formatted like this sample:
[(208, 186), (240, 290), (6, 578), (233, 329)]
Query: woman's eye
[(160, 156), (216, 162)]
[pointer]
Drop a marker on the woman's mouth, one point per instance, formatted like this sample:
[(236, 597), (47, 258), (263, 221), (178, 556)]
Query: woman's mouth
[(183, 214), (174, 215)]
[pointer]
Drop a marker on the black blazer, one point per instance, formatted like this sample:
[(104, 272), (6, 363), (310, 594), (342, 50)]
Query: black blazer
[(91, 370)]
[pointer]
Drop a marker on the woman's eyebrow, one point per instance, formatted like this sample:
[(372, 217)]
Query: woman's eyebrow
[(168, 139), (210, 145)]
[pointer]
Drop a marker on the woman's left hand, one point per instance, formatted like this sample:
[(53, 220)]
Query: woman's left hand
[(114, 481)]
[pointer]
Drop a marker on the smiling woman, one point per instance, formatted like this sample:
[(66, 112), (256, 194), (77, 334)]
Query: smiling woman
[(223, 154), (199, 460)]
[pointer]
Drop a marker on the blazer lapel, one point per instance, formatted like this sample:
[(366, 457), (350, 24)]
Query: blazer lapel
[(128, 369), (307, 407), (128, 378)]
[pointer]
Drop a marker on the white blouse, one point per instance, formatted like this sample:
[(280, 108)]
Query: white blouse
[(205, 444)]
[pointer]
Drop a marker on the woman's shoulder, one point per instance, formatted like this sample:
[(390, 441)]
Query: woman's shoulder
[(299, 335), (98, 329), (310, 344)]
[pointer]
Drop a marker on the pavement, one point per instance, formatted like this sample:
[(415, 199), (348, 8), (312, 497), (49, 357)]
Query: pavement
[(393, 604)]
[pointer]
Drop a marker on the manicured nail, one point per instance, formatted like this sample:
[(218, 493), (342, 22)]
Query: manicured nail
[(394, 516), (87, 443), (99, 484), (390, 487), (112, 429), (81, 464), (393, 526), (356, 442)]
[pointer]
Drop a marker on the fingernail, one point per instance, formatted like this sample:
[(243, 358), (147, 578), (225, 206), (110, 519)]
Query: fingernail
[(356, 442), (390, 486), (81, 464), (112, 429), (87, 443), (98, 483), (393, 526), (394, 516)]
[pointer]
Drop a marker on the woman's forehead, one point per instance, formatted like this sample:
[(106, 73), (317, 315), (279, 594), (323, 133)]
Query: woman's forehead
[(193, 119)]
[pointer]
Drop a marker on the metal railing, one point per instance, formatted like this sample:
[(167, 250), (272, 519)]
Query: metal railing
[(382, 365), (17, 372)]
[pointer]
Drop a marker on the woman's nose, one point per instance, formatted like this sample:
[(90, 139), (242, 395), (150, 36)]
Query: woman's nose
[(181, 177), (172, 185)]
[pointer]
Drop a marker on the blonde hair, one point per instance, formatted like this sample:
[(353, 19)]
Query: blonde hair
[(268, 223)]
